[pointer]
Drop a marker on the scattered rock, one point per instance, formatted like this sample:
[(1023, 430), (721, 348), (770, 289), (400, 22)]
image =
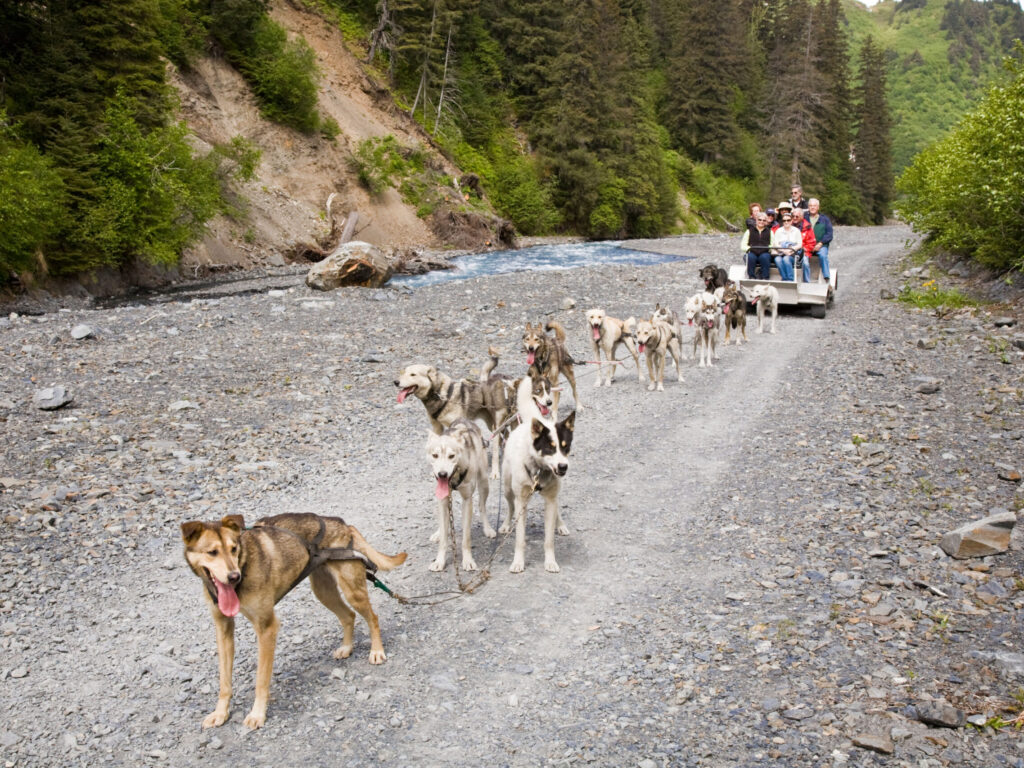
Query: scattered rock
[(929, 386), (875, 742), (940, 713), (52, 398), (988, 536), (1004, 322), (81, 331)]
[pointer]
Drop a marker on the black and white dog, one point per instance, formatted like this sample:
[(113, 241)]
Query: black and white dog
[(536, 458)]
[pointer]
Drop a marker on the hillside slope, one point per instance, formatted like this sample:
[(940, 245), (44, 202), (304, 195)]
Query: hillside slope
[(942, 57), (286, 200)]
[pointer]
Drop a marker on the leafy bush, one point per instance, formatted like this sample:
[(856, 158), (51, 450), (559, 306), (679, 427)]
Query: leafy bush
[(154, 197), (379, 161), (31, 200), (284, 75), (964, 191), (518, 193)]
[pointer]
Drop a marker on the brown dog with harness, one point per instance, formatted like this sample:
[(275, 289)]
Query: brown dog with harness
[(249, 570)]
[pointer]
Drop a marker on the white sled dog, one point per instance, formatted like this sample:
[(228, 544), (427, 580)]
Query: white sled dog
[(766, 299), (458, 461)]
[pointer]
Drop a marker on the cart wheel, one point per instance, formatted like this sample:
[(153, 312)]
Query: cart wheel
[(818, 311)]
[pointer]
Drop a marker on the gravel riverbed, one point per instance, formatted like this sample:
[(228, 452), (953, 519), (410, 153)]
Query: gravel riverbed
[(752, 576)]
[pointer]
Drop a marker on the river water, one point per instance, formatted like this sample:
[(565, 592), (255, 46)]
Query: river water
[(537, 259)]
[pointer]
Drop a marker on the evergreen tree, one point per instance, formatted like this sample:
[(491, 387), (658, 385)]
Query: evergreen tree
[(873, 144)]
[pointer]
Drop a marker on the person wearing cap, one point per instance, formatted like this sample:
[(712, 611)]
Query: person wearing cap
[(756, 247), (821, 226), (787, 243), (803, 261), (796, 197), (771, 217), (782, 208)]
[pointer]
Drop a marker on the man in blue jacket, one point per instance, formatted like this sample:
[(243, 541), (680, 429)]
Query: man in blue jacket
[(822, 226)]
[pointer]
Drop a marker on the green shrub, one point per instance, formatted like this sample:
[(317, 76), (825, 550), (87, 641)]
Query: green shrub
[(964, 191), (154, 197), (284, 75), (521, 196), (31, 201)]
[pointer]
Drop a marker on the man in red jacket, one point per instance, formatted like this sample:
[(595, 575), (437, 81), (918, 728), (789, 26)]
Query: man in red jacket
[(802, 264)]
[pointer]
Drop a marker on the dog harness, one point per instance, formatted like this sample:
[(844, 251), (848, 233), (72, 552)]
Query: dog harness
[(317, 557)]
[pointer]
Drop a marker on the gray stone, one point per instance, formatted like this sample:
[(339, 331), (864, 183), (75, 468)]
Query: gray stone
[(19, 672), (940, 713), (988, 536), (568, 303), (876, 742), (885, 294), (1004, 322), (929, 386), (1011, 665), (181, 405), (927, 343), (81, 331), (52, 398)]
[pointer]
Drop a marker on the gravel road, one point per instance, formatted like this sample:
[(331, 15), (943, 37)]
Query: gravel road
[(752, 577)]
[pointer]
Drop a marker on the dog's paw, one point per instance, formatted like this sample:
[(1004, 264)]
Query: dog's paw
[(579, 406), (772, 331), (437, 565), (343, 652), (469, 564), (650, 387), (518, 566), (215, 719), (681, 379), (598, 382), (551, 566), (608, 383), (377, 656), (435, 536), (505, 528), (495, 474), (255, 719), (489, 532), (562, 530)]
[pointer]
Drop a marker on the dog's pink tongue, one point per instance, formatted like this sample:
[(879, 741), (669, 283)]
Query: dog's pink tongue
[(442, 489), (544, 410), (597, 332), (529, 357), (640, 348), (227, 599), (403, 393)]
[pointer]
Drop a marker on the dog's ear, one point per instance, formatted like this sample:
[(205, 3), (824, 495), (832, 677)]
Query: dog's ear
[(537, 428), (234, 523), (569, 422), (432, 375), (190, 531)]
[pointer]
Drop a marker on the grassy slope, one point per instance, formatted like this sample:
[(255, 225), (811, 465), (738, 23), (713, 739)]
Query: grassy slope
[(926, 99)]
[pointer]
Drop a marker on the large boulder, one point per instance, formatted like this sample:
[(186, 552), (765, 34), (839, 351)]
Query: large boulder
[(988, 536), (354, 263)]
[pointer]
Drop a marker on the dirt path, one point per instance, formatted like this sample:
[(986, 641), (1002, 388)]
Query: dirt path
[(711, 608)]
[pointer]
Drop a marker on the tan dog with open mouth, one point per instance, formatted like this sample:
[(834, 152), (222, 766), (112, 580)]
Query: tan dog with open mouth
[(248, 571), (606, 334), (657, 340), (548, 357)]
